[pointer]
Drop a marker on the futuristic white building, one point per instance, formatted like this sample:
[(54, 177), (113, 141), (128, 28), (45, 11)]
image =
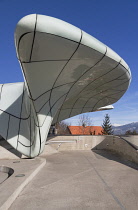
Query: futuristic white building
[(66, 72)]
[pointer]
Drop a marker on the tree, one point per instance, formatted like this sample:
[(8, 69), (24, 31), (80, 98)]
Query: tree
[(84, 121), (129, 132), (62, 128), (134, 132), (107, 127)]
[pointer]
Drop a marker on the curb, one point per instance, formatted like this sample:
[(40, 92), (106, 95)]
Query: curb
[(15, 194)]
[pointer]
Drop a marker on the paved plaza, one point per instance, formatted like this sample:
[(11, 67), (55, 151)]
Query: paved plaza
[(82, 180)]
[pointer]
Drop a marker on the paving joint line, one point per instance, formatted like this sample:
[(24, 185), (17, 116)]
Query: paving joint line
[(108, 188)]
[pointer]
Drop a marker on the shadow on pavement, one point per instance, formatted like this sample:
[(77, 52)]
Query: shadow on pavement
[(7, 146), (115, 157)]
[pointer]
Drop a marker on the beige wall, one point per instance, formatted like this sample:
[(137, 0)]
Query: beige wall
[(112, 143), (64, 143)]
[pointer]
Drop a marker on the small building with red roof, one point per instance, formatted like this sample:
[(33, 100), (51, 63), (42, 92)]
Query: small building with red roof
[(85, 130)]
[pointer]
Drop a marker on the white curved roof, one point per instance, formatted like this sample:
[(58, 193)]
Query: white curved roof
[(78, 73), (66, 72)]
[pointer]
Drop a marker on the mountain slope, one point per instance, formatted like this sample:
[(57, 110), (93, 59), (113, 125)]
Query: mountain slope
[(118, 130)]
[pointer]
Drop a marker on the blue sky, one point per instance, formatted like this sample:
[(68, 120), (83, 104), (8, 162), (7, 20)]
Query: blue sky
[(114, 22)]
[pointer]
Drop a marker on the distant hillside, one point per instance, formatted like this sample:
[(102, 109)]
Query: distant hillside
[(119, 130)]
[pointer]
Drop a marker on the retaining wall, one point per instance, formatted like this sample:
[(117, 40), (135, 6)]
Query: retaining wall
[(63, 143), (111, 143)]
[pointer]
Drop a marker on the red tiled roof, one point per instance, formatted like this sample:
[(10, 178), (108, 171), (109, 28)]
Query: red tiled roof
[(88, 130)]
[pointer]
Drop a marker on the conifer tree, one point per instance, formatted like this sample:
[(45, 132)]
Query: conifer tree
[(107, 127)]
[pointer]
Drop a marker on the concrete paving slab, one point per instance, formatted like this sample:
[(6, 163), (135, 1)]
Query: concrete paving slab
[(3, 177), (82, 180), (24, 171)]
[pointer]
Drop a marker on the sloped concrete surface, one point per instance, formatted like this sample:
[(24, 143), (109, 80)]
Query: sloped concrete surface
[(11, 187), (82, 180), (133, 139), (5, 173)]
